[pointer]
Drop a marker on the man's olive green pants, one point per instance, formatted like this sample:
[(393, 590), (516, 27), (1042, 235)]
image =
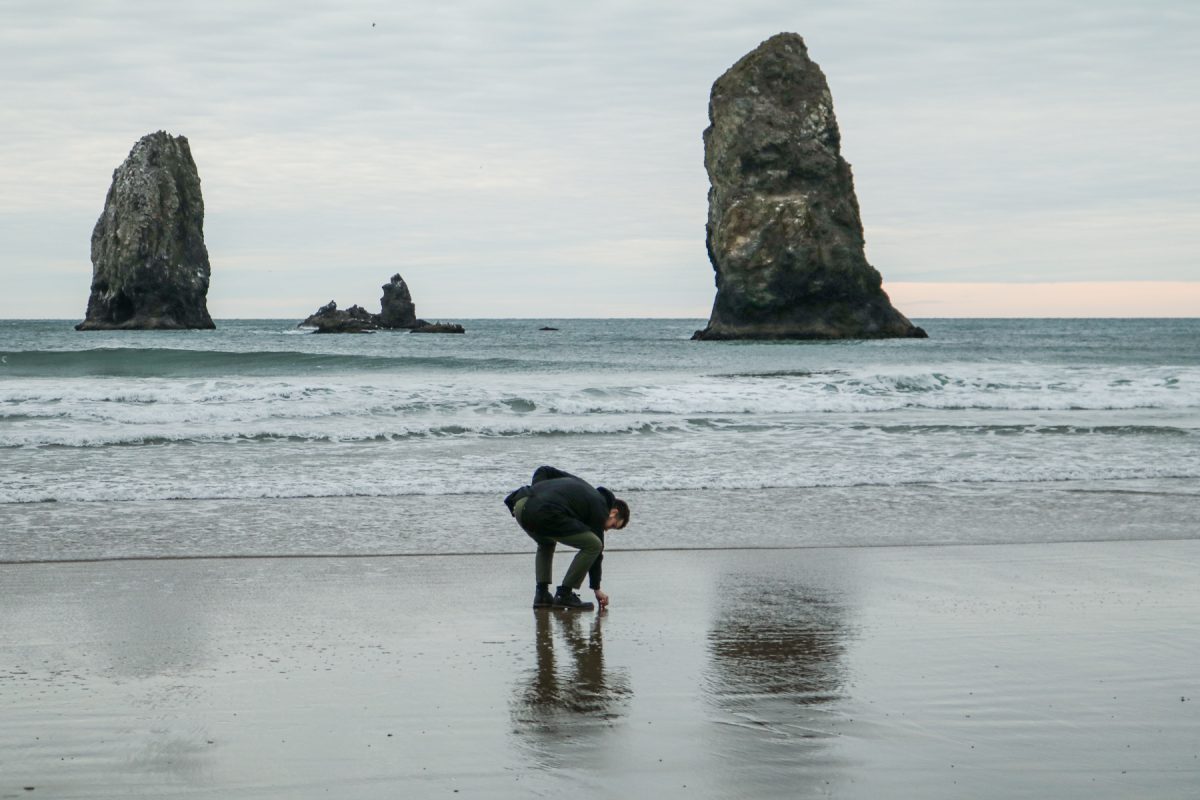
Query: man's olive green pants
[(587, 543)]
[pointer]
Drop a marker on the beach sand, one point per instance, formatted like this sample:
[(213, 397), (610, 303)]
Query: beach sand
[(1031, 670)]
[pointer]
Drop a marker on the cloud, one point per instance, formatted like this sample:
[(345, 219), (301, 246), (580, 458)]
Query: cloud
[(477, 138), (1053, 299), (1119, 244)]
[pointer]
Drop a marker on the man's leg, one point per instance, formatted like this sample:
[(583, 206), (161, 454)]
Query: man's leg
[(543, 564), (590, 547)]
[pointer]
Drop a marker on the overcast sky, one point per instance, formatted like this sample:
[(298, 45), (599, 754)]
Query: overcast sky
[(545, 159)]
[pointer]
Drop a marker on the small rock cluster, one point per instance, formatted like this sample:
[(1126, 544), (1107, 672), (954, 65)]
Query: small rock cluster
[(397, 311)]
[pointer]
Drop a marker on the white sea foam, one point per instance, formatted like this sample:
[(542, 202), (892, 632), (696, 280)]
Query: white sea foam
[(916, 448), (104, 412)]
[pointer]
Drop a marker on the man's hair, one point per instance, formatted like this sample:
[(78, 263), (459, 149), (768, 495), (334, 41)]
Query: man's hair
[(622, 511)]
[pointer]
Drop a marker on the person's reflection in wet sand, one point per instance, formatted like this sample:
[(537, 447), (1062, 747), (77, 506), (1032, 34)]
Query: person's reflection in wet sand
[(570, 698), (775, 677)]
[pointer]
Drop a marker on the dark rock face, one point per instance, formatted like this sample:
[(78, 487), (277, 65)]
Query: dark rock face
[(329, 319), (150, 267), (397, 308), (398, 312), (784, 233), (438, 327)]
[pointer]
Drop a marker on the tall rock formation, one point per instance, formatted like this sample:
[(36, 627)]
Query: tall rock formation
[(396, 305), (784, 233), (150, 267)]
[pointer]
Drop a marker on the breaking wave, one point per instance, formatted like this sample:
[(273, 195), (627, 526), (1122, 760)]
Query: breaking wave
[(389, 405)]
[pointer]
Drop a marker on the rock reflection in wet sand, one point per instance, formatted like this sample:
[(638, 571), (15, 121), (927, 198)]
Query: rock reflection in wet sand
[(570, 698), (775, 678)]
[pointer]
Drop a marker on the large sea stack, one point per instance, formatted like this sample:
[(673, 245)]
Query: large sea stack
[(149, 264), (784, 233)]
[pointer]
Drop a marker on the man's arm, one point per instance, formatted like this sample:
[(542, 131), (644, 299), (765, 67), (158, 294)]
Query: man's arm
[(594, 581)]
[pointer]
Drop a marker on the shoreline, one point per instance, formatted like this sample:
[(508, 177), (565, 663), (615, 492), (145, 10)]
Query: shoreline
[(491, 554), (874, 516)]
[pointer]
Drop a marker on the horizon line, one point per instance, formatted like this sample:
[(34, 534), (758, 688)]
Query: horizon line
[(998, 317)]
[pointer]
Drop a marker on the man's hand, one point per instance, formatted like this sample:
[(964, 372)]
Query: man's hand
[(601, 600)]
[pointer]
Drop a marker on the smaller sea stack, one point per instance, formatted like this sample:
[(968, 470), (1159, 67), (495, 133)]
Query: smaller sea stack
[(397, 309)]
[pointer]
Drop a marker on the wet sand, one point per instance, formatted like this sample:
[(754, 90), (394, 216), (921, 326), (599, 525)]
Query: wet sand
[(1033, 670)]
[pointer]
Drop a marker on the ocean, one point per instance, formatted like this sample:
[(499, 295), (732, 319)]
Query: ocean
[(261, 439)]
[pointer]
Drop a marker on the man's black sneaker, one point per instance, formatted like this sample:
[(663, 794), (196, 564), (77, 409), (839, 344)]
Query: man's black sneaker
[(542, 597), (565, 598)]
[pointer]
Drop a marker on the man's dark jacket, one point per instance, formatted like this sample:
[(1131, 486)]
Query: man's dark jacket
[(561, 504)]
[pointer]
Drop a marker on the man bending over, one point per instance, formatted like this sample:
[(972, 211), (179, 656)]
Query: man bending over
[(556, 507)]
